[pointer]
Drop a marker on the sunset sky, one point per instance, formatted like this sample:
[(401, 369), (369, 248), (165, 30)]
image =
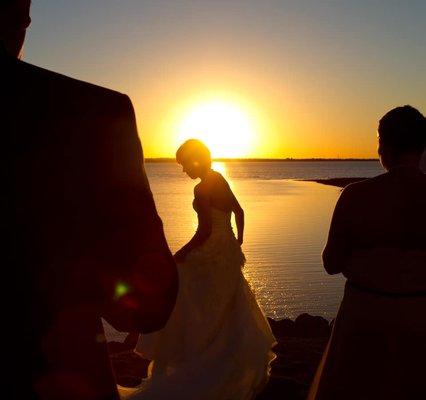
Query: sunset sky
[(253, 78)]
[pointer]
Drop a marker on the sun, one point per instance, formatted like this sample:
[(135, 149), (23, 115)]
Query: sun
[(223, 126)]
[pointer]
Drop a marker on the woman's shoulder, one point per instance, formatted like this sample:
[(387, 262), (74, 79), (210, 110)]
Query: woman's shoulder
[(218, 178), (201, 188), (360, 192), (386, 181), (364, 186), (214, 185)]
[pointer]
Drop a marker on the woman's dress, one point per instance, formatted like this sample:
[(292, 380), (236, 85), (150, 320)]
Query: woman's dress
[(378, 346), (217, 343), (377, 349)]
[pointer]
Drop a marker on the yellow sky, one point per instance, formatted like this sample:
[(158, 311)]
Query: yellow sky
[(281, 124), (304, 79)]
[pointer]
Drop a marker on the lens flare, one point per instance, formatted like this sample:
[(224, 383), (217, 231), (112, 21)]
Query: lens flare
[(121, 289)]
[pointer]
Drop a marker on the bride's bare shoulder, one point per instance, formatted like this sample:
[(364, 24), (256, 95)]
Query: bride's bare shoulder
[(202, 189), (218, 178)]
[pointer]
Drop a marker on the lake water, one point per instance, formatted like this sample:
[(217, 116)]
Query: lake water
[(287, 223)]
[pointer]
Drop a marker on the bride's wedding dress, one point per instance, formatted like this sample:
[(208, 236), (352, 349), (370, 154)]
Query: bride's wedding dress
[(217, 343)]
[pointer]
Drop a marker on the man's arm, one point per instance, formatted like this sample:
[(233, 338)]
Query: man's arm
[(138, 274)]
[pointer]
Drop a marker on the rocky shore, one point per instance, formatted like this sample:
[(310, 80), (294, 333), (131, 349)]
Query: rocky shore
[(300, 345)]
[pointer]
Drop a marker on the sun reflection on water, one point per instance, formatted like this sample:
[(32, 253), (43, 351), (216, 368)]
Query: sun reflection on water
[(219, 167)]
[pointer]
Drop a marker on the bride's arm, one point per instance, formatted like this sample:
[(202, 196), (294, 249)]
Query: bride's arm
[(239, 218), (204, 229)]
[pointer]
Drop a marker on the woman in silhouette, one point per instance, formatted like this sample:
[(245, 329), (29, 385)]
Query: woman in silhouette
[(217, 343), (377, 240)]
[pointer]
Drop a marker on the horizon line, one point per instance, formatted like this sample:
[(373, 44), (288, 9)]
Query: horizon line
[(289, 159)]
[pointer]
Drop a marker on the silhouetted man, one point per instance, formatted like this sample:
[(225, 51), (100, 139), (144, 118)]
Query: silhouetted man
[(81, 237)]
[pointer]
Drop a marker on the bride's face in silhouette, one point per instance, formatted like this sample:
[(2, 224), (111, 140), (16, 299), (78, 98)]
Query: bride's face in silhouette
[(195, 159), (192, 168)]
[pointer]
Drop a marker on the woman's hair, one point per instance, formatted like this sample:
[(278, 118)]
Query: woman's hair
[(195, 150), (403, 130)]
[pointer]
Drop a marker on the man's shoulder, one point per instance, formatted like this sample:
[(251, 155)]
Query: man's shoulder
[(67, 85)]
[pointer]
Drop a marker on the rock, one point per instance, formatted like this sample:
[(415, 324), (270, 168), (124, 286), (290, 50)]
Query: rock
[(298, 358), (299, 350), (282, 328), (280, 388), (308, 326), (305, 326)]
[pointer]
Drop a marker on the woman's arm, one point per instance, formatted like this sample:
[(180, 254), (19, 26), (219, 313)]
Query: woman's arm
[(239, 218), (204, 229), (338, 247)]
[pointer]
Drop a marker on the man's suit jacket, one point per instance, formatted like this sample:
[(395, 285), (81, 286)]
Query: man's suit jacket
[(81, 237)]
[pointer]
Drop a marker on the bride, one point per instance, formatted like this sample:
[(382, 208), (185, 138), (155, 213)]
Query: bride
[(217, 343)]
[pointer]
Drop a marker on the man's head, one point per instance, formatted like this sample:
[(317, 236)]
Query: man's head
[(402, 136), (14, 20)]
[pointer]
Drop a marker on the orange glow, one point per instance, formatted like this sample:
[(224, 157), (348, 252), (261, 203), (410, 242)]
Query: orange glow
[(223, 126)]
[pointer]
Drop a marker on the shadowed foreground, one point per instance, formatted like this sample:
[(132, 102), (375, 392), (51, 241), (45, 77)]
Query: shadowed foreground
[(299, 349)]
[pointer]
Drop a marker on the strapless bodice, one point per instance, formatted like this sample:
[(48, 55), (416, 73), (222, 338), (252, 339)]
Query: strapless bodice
[(221, 220)]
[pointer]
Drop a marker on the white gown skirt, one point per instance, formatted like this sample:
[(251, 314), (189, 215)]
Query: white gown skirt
[(217, 343)]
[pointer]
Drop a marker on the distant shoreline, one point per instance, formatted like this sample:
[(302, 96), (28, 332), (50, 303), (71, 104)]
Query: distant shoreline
[(168, 160)]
